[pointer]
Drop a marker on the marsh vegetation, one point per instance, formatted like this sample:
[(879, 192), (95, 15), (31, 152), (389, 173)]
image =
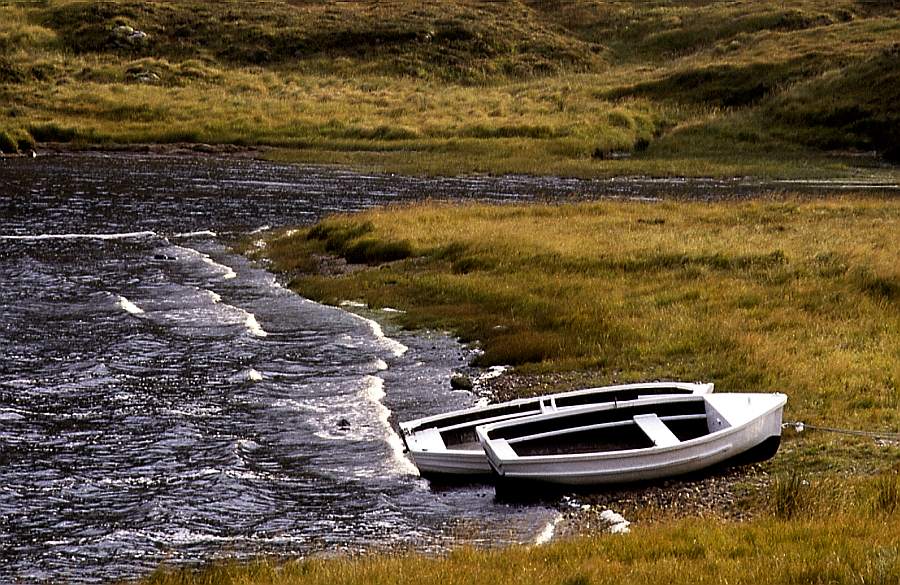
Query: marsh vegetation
[(781, 294)]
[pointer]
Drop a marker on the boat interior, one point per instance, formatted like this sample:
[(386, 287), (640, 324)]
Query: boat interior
[(635, 426), (458, 431)]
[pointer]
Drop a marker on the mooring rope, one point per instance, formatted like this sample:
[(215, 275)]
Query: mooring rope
[(802, 426)]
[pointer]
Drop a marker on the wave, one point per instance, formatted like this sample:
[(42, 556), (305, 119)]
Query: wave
[(374, 392), (248, 375), (129, 306), (116, 236), (197, 234), (227, 272), (253, 325), (391, 345)]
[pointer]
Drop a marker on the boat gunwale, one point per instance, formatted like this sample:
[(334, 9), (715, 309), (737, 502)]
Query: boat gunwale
[(693, 388)]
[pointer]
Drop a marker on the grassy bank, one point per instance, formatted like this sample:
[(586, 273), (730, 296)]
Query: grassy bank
[(857, 544), (790, 295), (793, 296), (776, 88)]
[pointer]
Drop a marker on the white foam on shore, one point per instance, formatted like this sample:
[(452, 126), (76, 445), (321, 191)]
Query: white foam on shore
[(546, 535), (118, 236), (228, 272), (374, 393), (391, 345), (617, 523), (261, 229), (129, 306), (198, 234), (249, 319), (253, 325)]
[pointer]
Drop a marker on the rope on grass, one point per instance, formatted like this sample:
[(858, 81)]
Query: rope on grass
[(802, 426)]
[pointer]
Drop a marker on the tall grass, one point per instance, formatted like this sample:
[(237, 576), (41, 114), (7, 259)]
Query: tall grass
[(796, 296), (791, 296)]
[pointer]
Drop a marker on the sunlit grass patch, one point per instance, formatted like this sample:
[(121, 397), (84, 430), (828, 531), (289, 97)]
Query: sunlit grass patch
[(725, 89)]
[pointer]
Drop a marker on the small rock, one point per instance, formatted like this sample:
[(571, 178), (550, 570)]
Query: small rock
[(461, 382)]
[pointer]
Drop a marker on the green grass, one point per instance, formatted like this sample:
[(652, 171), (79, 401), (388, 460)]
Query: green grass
[(790, 295), (795, 296), (684, 88)]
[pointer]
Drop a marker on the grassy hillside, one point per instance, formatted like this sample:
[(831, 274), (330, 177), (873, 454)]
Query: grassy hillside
[(778, 88)]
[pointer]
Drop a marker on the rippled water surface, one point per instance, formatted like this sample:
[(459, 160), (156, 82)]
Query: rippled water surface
[(162, 400)]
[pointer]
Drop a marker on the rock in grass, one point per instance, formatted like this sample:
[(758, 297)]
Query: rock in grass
[(126, 36), (461, 382)]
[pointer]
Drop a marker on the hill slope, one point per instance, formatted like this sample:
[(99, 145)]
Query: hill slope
[(583, 88)]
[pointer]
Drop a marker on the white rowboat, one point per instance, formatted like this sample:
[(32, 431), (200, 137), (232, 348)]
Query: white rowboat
[(446, 444), (638, 440)]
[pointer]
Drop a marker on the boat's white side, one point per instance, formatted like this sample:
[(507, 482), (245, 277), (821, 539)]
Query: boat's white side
[(737, 423), (432, 456)]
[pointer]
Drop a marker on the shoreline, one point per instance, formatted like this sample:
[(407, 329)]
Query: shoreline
[(659, 187)]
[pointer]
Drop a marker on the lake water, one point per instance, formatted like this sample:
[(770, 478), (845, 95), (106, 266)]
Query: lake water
[(162, 400)]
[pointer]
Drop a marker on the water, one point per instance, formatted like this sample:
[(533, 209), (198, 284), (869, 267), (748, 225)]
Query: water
[(162, 400)]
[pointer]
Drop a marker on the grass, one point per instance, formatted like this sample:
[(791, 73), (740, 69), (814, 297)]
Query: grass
[(857, 544), (572, 88), (790, 295)]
